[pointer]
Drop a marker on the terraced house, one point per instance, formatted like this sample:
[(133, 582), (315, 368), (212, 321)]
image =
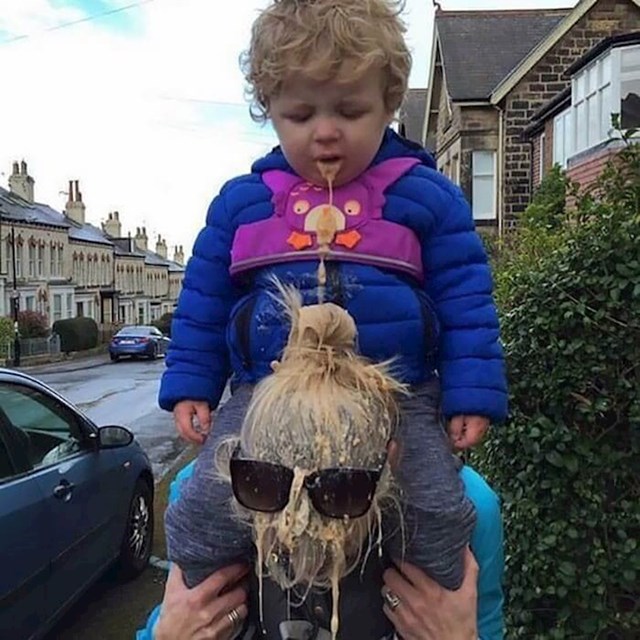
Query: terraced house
[(59, 264), (512, 92)]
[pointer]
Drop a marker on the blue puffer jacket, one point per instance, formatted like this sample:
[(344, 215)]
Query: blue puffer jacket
[(446, 324)]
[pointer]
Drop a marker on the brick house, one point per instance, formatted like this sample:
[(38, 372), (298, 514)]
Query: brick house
[(574, 129), (492, 72)]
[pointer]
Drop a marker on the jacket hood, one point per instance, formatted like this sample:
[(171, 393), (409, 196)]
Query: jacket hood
[(393, 146)]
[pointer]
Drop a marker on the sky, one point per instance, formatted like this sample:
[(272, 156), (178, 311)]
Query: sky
[(142, 101)]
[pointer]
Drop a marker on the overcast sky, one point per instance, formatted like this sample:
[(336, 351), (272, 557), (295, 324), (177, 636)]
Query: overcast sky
[(145, 105)]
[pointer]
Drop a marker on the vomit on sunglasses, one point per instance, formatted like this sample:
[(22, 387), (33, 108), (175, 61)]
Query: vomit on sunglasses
[(323, 407), (326, 227)]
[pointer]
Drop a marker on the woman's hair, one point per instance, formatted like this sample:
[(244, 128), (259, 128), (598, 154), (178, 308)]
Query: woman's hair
[(323, 406), (316, 37)]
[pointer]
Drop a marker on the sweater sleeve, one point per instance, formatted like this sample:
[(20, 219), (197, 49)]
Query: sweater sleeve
[(460, 284), (197, 362)]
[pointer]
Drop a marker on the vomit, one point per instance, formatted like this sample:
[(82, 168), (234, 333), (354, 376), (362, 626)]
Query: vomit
[(326, 227)]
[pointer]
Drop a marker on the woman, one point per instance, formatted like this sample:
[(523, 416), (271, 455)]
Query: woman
[(311, 475)]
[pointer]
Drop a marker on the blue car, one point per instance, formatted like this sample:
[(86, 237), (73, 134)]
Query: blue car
[(75, 498), (138, 341)]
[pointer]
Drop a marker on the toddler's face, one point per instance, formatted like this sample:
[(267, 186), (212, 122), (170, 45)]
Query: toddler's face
[(337, 120)]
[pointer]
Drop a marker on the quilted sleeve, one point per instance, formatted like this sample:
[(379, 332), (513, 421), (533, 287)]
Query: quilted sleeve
[(197, 363), (459, 282)]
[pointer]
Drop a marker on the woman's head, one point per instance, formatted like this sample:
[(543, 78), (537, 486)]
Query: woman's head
[(323, 408), (330, 74)]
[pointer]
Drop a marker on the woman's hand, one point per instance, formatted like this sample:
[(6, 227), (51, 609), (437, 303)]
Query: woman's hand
[(206, 611), (426, 611)]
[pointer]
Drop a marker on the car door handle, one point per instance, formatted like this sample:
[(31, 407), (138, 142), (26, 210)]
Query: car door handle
[(64, 490)]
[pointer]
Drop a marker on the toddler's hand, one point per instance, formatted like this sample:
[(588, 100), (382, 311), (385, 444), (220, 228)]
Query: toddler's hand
[(467, 431), (184, 413)]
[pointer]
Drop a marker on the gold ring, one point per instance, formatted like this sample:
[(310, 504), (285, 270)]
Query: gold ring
[(392, 600), (234, 617)]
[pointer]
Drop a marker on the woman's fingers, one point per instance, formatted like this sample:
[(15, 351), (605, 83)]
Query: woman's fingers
[(227, 625), (210, 588)]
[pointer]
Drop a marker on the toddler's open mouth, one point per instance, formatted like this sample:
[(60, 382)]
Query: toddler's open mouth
[(329, 168)]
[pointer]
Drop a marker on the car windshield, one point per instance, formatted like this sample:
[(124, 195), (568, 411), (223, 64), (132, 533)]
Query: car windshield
[(134, 331)]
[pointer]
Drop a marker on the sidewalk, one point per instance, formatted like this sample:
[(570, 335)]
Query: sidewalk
[(77, 363)]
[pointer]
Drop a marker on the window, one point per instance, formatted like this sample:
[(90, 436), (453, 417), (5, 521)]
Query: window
[(563, 137), (40, 265), (30, 303), (543, 146), (59, 270), (19, 258), (53, 271), (32, 260), (36, 430), (609, 85), (69, 305), (484, 185), (591, 99), (57, 307), (630, 88)]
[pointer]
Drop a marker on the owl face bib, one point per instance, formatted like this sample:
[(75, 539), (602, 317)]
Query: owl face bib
[(349, 228)]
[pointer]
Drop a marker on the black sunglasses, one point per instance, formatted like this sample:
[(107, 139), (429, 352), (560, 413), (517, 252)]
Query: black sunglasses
[(335, 493)]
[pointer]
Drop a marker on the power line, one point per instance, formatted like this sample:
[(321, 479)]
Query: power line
[(72, 23)]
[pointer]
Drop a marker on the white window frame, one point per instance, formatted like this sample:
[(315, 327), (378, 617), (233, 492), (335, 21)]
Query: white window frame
[(563, 137), (542, 150), (594, 96), (621, 76), (476, 177)]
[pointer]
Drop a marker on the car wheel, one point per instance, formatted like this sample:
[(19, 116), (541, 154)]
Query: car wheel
[(114, 357), (154, 353), (138, 535)]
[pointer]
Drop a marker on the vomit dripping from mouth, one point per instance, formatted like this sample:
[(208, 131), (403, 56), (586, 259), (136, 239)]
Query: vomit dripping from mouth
[(326, 228)]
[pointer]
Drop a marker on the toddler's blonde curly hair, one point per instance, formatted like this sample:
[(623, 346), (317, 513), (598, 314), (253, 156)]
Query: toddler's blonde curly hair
[(315, 37)]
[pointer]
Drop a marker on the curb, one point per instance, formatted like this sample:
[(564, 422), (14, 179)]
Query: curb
[(51, 367)]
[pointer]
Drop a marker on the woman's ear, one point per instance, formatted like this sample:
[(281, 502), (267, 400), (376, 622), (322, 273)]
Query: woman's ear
[(393, 454)]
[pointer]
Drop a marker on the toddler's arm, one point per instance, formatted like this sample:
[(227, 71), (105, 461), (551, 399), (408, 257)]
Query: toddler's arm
[(197, 360), (459, 282)]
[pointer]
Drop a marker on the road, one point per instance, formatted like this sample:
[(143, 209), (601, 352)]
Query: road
[(122, 393)]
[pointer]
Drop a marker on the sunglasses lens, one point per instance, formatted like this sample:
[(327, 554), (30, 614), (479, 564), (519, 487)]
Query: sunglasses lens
[(337, 493), (260, 486)]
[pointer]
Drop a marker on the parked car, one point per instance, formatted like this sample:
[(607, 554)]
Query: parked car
[(75, 498), (138, 340)]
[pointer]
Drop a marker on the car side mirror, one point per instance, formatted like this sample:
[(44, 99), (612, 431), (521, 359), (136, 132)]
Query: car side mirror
[(113, 437)]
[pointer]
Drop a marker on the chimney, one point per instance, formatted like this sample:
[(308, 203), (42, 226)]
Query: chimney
[(75, 208), (112, 226), (178, 254), (161, 247), (141, 239), (20, 182)]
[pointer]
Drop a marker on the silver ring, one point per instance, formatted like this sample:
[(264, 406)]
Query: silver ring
[(234, 617), (392, 600)]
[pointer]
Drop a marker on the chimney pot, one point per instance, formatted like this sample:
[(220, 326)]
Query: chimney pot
[(16, 168), (23, 168)]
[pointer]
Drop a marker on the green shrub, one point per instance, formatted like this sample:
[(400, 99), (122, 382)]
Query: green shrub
[(33, 324), (164, 323), (76, 334), (6, 335), (540, 231), (566, 463)]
